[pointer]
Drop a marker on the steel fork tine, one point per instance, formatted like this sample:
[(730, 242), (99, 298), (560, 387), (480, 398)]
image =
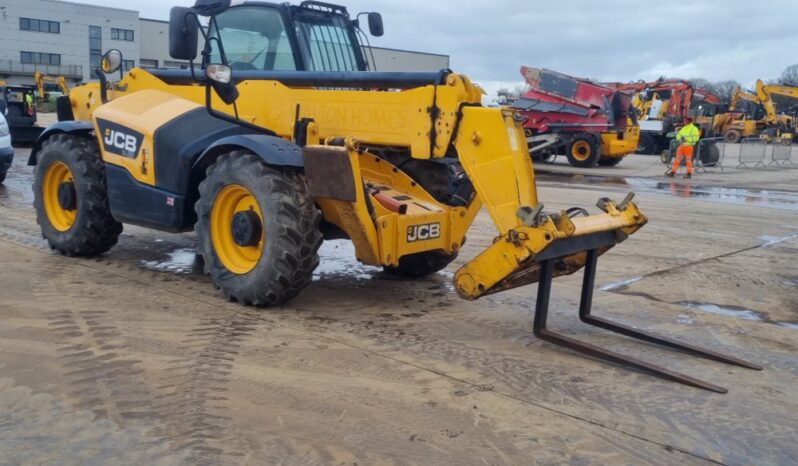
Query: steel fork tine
[(585, 305)]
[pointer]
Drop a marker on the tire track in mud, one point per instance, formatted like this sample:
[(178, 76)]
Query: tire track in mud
[(189, 402), (92, 356), (194, 400), (577, 393), (196, 396)]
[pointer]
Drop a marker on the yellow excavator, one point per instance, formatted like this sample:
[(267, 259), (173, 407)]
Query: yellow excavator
[(269, 145), (41, 79), (763, 113)]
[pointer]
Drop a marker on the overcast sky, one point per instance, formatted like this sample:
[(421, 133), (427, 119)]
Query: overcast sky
[(611, 40)]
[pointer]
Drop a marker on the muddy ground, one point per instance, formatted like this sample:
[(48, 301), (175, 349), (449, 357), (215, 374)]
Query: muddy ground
[(133, 358)]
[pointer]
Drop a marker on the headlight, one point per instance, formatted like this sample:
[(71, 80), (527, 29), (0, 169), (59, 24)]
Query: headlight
[(3, 128)]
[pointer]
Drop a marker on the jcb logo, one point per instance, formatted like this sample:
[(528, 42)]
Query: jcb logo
[(120, 140), (423, 232)]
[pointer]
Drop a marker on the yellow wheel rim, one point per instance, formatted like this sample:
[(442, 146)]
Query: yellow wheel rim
[(580, 150), (60, 218), (231, 200)]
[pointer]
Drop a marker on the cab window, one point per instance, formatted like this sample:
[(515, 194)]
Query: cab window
[(254, 38)]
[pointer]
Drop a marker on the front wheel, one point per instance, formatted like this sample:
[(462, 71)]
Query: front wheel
[(258, 230), (71, 198), (583, 152)]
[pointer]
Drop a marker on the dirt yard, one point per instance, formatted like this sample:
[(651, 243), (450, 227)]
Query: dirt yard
[(134, 358)]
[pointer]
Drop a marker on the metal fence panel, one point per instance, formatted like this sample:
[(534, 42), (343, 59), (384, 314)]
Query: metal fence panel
[(781, 153), (752, 153)]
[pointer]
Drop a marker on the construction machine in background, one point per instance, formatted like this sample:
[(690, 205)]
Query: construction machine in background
[(278, 139), (590, 123), (41, 81), (781, 106), (758, 114), (22, 117), (663, 105)]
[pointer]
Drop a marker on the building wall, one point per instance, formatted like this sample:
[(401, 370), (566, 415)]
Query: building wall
[(155, 45), (404, 60), (72, 43)]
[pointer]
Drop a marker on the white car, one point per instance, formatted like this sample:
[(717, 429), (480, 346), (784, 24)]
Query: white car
[(6, 151)]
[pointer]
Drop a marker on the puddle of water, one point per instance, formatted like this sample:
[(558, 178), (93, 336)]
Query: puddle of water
[(770, 241), (732, 311), (684, 319), (792, 325), (338, 260), (179, 261), (763, 197), (620, 284)]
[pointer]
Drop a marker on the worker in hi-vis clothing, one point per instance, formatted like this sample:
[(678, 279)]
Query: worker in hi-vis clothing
[(29, 103), (688, 137)]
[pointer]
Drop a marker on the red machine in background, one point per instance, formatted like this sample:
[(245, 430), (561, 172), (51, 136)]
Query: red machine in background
[(591, 123), (662, 106)]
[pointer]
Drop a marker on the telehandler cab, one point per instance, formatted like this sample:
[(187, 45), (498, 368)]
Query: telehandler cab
[(280, 138)]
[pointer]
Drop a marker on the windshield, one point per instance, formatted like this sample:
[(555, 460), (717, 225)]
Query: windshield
[(326, 42), (254, 38)]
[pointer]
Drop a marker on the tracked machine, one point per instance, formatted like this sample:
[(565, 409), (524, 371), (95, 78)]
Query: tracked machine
[(279, 139)]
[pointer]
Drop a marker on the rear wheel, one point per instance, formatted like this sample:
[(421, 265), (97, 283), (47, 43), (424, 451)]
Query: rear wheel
[(732, 136), (258, 230), (71, 198), (421, 264), (609, 161), (583, 152)]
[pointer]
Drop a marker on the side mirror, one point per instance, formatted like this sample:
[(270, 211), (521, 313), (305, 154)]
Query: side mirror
[(183, 33), (211, 7), (375, 25), (221, 78), (111, 61)]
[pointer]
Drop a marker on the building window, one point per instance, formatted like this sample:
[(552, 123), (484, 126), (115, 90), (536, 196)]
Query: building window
[(128, 65), (122, 34), (37, 58), (39, 25), (95, 46), (148, 64)]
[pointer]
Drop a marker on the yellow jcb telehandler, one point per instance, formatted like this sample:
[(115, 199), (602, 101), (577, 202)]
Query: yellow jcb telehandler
[(279, 138)]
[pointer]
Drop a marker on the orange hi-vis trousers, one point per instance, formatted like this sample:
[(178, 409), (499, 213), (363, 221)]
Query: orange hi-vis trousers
[(684, 151)]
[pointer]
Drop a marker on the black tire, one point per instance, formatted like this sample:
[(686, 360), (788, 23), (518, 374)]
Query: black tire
[(732, 136), (609, 161), (583, 152), (94, 230), (646, 144), (446, 182), (421, 264), (291, 238), (710, 155)]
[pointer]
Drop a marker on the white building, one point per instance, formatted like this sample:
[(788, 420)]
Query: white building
[(66, 38)]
